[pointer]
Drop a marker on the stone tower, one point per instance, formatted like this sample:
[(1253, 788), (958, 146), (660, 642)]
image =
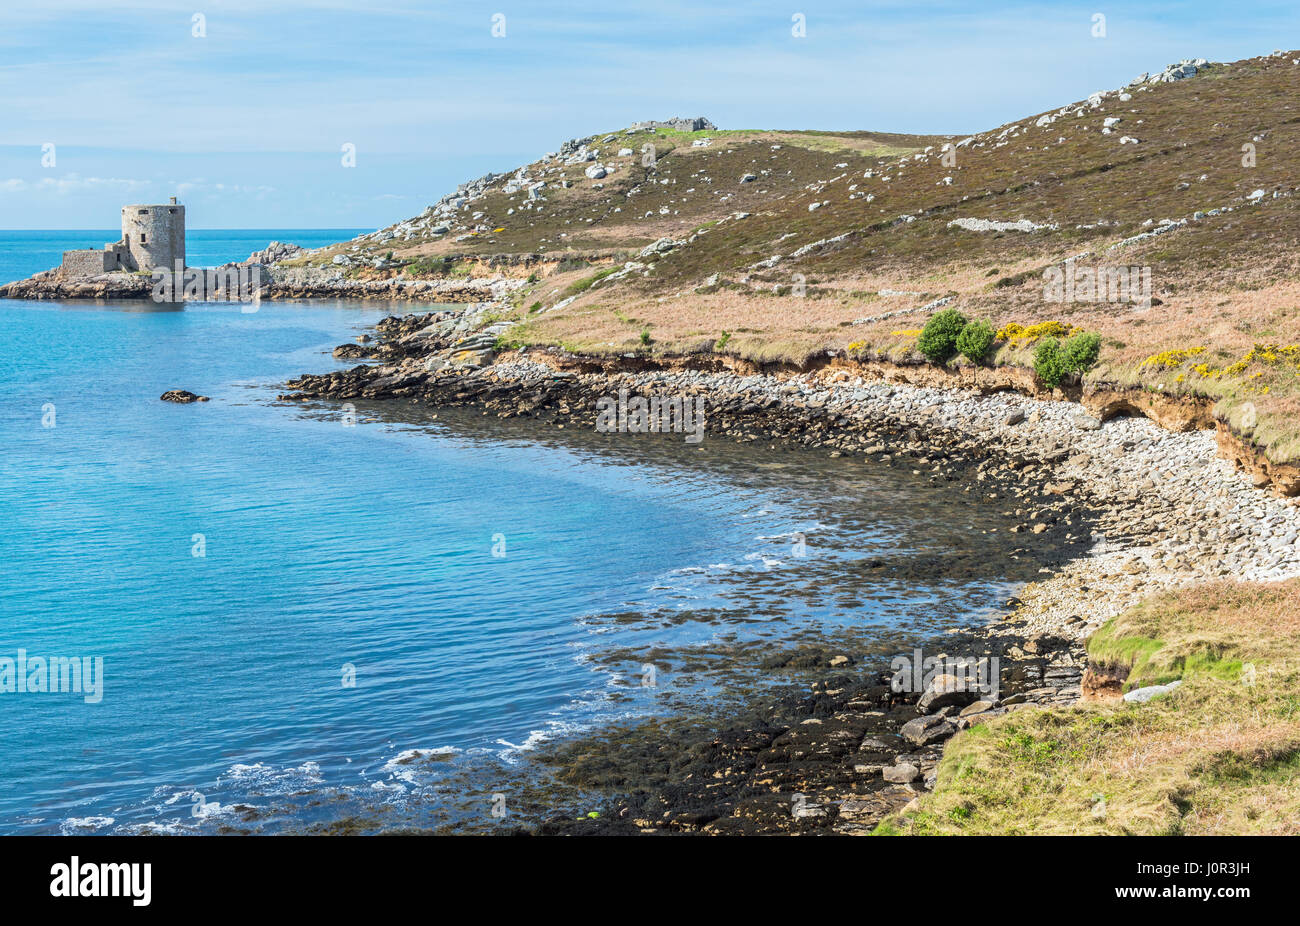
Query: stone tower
[(153, 237)]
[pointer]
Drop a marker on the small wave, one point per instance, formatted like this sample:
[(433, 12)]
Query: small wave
[(74, 825), (553, 730), (407, 763), (266, 779)]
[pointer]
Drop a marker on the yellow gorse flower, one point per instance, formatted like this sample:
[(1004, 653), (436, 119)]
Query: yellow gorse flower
[(1020, 335), (1171, 358)]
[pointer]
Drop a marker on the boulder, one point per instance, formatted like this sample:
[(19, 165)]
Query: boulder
[(978, 707), (926, 730), (947, 690), (1143, 695), (901, 774)]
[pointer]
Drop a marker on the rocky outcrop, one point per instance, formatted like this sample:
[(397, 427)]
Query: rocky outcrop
[(1282, 478), (1188, 67), (677, 124), (312, 282), (182, 396), (1171, 412), (274, 252), (51, 285)]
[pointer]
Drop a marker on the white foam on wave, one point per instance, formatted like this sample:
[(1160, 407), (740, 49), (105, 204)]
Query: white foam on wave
[(407, 763), (553, 730), (81, 824), (390, 787), (267, 779)]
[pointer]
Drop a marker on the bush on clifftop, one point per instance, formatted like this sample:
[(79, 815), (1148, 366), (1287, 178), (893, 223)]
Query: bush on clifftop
[(1081, 351), (1052, 361), (975, 341), (938, 339)]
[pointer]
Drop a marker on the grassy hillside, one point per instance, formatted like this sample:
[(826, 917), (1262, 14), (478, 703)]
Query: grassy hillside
[(1219, 755), (1153, 176)]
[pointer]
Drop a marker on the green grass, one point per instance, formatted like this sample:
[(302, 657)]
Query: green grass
[(1220, 755), (581, 286)]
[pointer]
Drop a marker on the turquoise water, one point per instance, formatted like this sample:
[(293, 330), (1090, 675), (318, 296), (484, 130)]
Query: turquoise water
[(232, 562)]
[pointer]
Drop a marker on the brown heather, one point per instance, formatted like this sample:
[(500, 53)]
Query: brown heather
[(1223, 282)]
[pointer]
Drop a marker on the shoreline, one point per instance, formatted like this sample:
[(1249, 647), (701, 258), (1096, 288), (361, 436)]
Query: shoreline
[(1134, 507), (268, 282)]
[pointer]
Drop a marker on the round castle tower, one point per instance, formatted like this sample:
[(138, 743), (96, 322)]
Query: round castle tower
[(154, 235)]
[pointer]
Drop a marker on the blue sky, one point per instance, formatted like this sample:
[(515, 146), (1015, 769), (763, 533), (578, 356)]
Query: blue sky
[(246, 123)]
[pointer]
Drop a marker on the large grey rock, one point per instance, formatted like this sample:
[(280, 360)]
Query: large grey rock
[(945, 691), (1143, 695), (659, 247), (901, 774), (926, 730)]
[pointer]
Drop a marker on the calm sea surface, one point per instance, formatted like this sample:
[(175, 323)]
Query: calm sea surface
[(288, 608)]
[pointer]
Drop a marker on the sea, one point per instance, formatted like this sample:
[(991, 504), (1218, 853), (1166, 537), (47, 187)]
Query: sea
[(285, 613)]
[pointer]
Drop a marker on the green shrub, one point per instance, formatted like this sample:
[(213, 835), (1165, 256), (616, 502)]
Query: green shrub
[(975, 341), (1052, 360), (938, 340), (1081, 351), (424, 266), (1049, 362), (645, 336)]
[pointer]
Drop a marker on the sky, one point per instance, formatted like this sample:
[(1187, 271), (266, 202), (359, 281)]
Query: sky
[(243, 108)]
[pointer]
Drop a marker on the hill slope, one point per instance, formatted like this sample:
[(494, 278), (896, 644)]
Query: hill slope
[(780, 246)]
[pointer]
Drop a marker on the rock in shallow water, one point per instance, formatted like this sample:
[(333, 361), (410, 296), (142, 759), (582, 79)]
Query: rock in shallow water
[(182, 395)]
